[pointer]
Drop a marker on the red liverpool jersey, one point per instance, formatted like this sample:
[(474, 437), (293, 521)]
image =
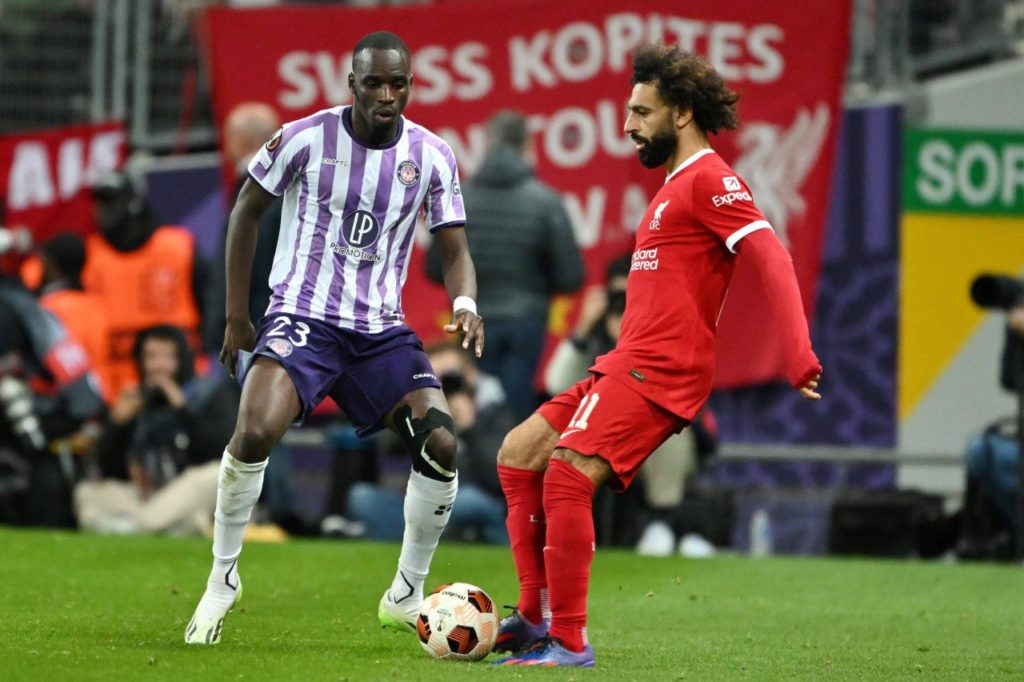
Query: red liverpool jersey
[(682, 264)]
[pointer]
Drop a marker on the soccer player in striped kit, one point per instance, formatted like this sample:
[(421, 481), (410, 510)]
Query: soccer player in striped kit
[(354, 179)]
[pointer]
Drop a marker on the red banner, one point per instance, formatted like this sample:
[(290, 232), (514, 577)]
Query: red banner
[(566, 65), (45, 176)]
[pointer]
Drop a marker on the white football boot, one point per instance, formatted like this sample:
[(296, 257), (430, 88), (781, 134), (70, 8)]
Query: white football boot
[(401, 616), (220, 597)]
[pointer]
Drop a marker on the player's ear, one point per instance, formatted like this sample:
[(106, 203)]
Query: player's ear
[(683, 117), (352, 83)]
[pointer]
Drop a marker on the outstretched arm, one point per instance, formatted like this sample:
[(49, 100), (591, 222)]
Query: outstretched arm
[(243, 227), (763, 251), (460, 282)]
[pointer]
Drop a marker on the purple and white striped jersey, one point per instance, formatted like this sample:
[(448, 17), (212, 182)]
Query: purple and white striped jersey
[(349, 214)]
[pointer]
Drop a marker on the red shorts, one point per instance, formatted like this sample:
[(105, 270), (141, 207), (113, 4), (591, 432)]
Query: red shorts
[(602, 416)]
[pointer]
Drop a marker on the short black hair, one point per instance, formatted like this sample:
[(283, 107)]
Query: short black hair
[(174, 334), (66, 251), (508, 128), (379, 40), (689, 82)]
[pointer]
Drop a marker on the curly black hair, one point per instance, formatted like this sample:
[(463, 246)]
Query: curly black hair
[(689, 82)]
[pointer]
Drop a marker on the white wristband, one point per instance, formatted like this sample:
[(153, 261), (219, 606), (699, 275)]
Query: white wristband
[(464, 303)]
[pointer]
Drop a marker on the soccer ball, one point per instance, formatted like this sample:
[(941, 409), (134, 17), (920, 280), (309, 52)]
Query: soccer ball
[(458, 622)]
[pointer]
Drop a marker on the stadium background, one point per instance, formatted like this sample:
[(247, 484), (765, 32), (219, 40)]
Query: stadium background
[(911, 364)]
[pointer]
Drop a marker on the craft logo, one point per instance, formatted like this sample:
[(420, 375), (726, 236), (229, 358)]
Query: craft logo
[(732, 184)]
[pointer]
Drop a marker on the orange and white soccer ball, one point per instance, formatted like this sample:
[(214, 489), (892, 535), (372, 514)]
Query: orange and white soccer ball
[(458, 622)]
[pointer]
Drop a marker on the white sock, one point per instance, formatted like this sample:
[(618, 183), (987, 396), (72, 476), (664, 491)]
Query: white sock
[(238, 487), (428, 504)]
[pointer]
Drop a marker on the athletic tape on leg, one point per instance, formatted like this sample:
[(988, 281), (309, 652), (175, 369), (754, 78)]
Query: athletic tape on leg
[(415, 433)]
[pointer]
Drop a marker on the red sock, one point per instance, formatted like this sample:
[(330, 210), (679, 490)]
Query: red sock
[(568, 494), (523, 495)]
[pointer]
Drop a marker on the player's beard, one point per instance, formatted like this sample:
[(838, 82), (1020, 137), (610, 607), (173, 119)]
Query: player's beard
[(657, 150)]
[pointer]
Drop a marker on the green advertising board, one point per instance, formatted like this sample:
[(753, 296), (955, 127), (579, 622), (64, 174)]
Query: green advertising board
[(957, 171)]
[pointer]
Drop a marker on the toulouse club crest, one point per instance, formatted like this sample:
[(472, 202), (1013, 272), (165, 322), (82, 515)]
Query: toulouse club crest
[(408, 173), (280, 347)]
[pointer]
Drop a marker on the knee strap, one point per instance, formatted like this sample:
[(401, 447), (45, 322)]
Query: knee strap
[(415, 432)]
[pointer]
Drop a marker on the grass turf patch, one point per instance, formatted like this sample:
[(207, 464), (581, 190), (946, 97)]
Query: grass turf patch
[(85, 607)]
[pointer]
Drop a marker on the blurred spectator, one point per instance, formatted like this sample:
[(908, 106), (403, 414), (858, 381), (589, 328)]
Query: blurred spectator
[(144, 274), (357, 460), (248, 127), (665, 473), (47, 392), (449, 358), (988, 524), (479, 510), (82, 314), (159, 449), (596, 331), (1012, 356), (524, 251)]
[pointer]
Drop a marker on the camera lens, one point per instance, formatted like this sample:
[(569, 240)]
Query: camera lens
[(997, 291), (616, 301), (452, 382)]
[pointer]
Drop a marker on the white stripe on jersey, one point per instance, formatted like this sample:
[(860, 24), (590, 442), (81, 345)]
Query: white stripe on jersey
[(311, 278), (739, 234), (395, 231)]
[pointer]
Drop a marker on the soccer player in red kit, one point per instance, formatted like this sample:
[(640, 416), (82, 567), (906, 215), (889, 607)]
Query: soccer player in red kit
[(651, 385)]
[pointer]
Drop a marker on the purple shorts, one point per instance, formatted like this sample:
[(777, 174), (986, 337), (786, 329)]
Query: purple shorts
[(365, 374)]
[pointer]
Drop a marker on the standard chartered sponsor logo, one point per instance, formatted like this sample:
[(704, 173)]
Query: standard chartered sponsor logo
[(645, 259)]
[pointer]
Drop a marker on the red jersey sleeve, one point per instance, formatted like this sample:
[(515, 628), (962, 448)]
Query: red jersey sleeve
[(774, 266), (724, 204)]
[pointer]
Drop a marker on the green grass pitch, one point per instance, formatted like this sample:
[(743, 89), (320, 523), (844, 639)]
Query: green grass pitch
[(77, 607)]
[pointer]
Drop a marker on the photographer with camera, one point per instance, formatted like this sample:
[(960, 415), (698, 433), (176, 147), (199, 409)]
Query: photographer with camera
[(992, 521), (158, 448), (1009, 374), (47, 392), (482, 417)]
